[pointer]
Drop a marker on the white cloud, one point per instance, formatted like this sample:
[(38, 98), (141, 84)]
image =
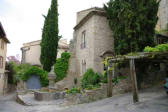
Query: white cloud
[(23, 21)]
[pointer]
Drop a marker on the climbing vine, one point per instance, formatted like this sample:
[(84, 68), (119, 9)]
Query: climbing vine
[(61, 66)]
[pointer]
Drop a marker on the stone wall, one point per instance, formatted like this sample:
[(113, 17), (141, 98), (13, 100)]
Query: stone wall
[(87, 53), (103, 41), (72, 73), (99, 39), (81, 14), (31, 51), (97, 94), (163, 15)]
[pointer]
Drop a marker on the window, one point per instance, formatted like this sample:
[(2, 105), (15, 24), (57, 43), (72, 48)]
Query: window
[(83, 66), (2, 44), (83, 42), (159, 41), (1, 62)]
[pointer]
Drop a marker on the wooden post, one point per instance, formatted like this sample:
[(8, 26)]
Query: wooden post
[(109, 80), (134, 81)]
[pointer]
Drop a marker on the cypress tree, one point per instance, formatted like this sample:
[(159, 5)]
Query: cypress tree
[(133, 23), (50, 37)]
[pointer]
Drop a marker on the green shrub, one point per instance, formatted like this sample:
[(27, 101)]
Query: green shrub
[(91, 87), (90, 78), (61, 66), (34, 70), (73, 90), (115, 80), (17, 71), (158, 48)]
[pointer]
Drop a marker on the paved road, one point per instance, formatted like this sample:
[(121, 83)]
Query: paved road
[(153, 100)]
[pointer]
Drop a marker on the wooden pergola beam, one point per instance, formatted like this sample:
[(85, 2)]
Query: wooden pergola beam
[(159, 57), (134, 81)]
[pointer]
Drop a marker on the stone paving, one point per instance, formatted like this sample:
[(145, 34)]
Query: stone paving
[(151, 100)]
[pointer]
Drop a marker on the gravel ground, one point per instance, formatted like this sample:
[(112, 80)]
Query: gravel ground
[(151, 100)]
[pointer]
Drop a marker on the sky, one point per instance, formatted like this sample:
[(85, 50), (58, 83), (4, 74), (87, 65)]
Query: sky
[(23, 20)]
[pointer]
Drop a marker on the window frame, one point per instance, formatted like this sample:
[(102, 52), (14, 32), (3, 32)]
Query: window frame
[(83, 40), (1, 62), (2, 44)]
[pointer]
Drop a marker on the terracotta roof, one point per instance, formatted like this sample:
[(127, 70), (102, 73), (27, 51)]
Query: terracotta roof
[(3, 34)]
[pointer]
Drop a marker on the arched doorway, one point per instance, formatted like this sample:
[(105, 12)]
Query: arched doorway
[(33, 82)]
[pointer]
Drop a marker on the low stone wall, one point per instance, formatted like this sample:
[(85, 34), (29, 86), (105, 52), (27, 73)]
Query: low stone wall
[(48, 96), (87, 96), (123, 86)]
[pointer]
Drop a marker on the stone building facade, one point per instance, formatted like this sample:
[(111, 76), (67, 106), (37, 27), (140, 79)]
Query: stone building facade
[(162, 24), (163, 15), (31, 51), (3, 50), (92, 42), (92, 37)]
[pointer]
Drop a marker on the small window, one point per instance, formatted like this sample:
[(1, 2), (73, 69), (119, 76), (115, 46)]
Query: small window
[(159, 41), (83, 66), (1, 62), (2, 44), (83, 42)]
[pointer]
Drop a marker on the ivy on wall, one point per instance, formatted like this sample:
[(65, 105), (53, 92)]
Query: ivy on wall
[(61, 66)]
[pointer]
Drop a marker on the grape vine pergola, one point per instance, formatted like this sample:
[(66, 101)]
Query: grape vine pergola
[(161, 57)]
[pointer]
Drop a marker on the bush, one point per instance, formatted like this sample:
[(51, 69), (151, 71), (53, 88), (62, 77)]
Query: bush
[(34, 70), (73, 91), (91, 87), (158, 48), (90, 78), (61, 66), (16, 71), (115, 80)]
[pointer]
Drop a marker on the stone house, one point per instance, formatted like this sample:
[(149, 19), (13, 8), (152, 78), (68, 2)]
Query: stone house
[(92, 42), (163, 15), (31, 51), (92, 37), (3, 50), (162, 23)]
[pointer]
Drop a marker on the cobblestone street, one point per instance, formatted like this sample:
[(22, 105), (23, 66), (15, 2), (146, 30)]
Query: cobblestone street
[(151, 100)]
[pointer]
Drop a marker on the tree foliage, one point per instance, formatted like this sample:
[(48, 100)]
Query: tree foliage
[(133, 23), (50, 37)]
